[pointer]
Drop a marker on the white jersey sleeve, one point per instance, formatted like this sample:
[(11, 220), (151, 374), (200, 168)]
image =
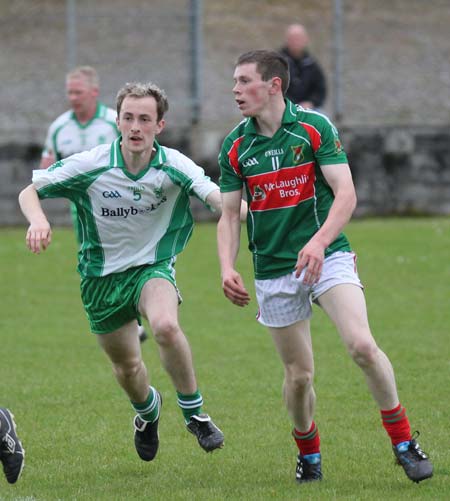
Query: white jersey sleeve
[(50, 147), (189, 175), (71, 176)]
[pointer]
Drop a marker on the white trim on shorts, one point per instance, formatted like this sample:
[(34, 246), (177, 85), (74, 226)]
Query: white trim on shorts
[(286, 300)]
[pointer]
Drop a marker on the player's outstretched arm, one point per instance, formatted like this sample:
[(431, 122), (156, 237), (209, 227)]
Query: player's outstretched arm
[(214, 199), (39, 234)]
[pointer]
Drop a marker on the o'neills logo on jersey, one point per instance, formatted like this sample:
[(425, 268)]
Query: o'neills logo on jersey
[(125, 212), (274, 153), (286, 187), (136, 188)]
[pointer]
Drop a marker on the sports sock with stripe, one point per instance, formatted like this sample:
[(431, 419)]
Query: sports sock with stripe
[(396, 423), (308, 442), (190, 405), (148, 410)]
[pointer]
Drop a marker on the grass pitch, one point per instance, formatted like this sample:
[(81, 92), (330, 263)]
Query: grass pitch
[(76, 424)]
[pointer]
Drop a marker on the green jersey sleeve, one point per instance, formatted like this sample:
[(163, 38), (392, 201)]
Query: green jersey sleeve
[(230, 171), (330, 150)]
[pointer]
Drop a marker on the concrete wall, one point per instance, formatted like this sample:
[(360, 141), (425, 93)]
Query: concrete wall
[(397, 170), (395, 73), (395, 66), (402, 171)]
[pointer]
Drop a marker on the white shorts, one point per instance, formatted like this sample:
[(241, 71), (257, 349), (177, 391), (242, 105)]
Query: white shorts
[(285, 300)]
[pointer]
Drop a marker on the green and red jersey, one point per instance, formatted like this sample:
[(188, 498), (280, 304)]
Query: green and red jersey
[(288, 196)]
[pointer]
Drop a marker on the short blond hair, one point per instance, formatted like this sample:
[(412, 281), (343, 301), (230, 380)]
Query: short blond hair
[(86, 72), (138, 90)]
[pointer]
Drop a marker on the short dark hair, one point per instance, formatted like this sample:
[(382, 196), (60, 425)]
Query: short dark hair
[(137, 90), (269, 64)]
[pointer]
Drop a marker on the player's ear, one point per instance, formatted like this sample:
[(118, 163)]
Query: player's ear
[(276, 85), (160, 126)]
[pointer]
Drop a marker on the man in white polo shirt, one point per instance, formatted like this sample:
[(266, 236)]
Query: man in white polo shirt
[(87, 124)]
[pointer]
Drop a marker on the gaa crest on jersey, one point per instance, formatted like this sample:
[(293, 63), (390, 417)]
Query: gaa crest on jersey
[(297, 152), (159, 192), (258, 193), (337, 145)]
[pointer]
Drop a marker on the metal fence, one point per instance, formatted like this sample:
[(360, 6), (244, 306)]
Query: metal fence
[(387, 65), (387, 62), (124, 41)]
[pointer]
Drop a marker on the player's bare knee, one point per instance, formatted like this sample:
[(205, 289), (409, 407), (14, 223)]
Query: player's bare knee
[(364, 352), (166, 331), (129, 369), (298, 380)]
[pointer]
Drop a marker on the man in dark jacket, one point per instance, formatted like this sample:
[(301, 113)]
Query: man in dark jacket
[(307, 81)]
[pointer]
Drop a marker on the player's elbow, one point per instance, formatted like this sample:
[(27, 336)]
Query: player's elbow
[(353, 201), (214, 201), (26, 195), (23, 195), (349, 195)]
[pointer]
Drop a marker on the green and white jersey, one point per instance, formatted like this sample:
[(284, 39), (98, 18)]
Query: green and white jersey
[(126, 220), (66, 135), (288, 196)]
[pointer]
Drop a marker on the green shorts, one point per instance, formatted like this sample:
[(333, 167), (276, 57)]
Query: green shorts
[(112, 301)]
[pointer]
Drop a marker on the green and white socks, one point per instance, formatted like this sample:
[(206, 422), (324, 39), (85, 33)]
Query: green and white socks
[(190, 405), (148, 410)]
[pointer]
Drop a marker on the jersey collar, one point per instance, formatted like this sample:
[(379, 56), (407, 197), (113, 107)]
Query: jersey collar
[(289, 117), (116, 158), (98, 111)]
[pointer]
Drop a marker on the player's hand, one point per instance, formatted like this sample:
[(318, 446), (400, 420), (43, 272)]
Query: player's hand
[(310, 259), (234, 289), (39, 236)]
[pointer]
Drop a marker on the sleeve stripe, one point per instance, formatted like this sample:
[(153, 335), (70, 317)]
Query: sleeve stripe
[(314, 134), (233, 156)]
